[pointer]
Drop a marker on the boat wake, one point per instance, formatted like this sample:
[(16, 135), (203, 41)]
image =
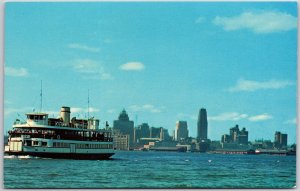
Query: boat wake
[(24, 157), (19, 157), (10, 157)]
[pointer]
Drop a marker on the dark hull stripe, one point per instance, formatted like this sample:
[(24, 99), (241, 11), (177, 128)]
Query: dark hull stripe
[(77, 156)]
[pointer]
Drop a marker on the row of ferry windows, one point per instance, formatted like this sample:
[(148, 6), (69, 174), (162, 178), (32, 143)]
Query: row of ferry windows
[(83, 146)]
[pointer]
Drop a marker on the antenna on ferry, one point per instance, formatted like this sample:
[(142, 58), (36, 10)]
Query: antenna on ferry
[(41, 106)]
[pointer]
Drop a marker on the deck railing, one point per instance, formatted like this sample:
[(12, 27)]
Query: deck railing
[(61, 136)]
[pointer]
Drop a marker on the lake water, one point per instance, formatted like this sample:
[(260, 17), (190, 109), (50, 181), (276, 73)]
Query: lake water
[(154, 170)]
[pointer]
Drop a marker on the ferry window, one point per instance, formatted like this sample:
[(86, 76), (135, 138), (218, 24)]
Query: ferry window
[(54, 144), (35, 143), (28, 143), (44, 143)]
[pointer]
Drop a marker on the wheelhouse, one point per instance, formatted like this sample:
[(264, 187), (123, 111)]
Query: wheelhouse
[(37, 118)]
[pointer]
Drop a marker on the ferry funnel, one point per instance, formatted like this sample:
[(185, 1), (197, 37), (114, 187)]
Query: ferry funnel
[(65, 114)]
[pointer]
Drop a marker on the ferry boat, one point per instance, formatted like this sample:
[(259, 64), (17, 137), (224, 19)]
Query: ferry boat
[(62, 137)]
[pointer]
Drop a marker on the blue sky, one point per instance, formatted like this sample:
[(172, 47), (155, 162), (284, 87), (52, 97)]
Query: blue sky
[(160, 61)]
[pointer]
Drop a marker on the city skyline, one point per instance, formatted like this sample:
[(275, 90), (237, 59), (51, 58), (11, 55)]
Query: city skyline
[(162, 62)]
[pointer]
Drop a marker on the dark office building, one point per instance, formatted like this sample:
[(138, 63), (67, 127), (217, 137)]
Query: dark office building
[(280, 140), (234, 131), (225, 138), (142, 131), (156, 132), (125, 126), (202, 125), (283, 140), (243, 137), (166, 135), (236, 136)]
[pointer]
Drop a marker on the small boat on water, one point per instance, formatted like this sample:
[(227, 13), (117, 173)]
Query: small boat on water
[(64, 138)]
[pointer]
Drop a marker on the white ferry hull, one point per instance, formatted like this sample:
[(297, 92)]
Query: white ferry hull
[(57, 155)]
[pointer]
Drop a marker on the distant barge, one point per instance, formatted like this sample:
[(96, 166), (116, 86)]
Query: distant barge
[(254, 152)]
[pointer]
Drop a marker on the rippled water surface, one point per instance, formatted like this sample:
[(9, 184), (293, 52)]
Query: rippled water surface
[(154, 170)]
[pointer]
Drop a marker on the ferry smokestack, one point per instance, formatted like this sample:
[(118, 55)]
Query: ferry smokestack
[(65, 114)]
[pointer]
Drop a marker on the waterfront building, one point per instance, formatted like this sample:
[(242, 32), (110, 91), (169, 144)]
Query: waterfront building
[(280, 140), (214, 145), (243, 137), (121, 142), (277, 139), (149, 141), (234, 146), (202, 124), (125, 127), (181, 131), (283, 140), (237, 136), (145, 130), (204, 145), (225, 138), (166, 136), (262, 144), (142, 131), (234, 131), (156, 132)]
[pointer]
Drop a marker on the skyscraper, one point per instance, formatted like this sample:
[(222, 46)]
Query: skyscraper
[(181, 131), (280, 140), (125, 126), (202, 124)]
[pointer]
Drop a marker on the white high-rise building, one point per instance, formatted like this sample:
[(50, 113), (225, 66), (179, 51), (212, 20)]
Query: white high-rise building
[(181, 131)]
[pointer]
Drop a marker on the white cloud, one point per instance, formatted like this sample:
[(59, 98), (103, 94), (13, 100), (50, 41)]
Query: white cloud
[(15, 111), (262, 22), (248, 85), (16, 72), (83, 47), (83, 110), (146, 108), (291, 121), (132, 66), (200, 20), (228, 116), (91, 69), (111, 111), (261, 117), (235, 116)]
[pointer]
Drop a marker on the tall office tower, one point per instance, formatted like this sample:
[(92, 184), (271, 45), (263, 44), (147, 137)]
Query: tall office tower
[(277, 139), (142, 131), (243, 137), (181, 131), (145, 130), (166, 136), (234, 132), (202, 124), (155, 132), (283, 140), (280, 140), (125, 126)]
